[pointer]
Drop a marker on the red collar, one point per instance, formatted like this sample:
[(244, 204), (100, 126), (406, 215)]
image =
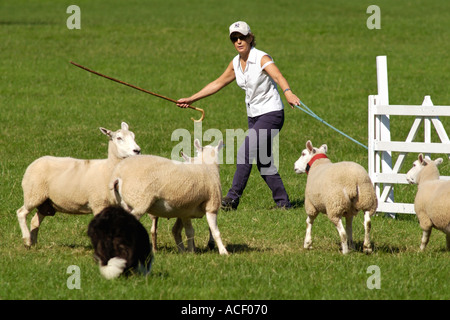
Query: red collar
[(316, 157)]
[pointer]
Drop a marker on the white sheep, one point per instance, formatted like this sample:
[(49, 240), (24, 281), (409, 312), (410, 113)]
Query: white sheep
[(432, 202), (178, 225), (71, 185), (173, 189), (339, 190)]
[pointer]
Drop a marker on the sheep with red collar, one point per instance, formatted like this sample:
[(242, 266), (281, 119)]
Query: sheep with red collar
[(339, 190), (431, 202)]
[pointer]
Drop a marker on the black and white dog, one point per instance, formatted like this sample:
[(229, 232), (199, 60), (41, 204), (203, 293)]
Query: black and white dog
[(120, 242)]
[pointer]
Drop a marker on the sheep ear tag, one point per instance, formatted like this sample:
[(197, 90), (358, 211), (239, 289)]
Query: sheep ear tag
[(316, 157)]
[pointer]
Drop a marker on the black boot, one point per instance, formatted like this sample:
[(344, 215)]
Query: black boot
[(229, 204)]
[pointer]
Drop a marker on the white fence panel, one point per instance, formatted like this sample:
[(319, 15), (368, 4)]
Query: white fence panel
[(381, 147)]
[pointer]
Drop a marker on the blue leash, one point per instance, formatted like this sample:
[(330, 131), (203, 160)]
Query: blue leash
[(315, 116)]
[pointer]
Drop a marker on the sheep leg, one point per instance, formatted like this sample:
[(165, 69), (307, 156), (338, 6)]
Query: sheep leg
[(340, 228), (212, 222), (211, 240), (425, 238), (35, 223), (349, 230), (448, 241), (189, 229), (308, 239), (153, 231), (176, 232), (367, 226), (22, 217)]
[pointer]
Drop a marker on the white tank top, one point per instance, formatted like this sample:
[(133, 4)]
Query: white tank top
[(261, 94)]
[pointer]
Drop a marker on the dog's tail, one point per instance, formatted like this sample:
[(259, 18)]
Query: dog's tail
[(114, 268)]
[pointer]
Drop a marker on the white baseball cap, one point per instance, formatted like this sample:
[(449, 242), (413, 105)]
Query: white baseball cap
[(241, 27)]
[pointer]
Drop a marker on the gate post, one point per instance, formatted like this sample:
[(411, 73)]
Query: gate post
[(385, 132)]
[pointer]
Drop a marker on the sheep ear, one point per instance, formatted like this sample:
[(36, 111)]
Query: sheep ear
[(124, 126), (421, 159), (220, 145), (185, 157), (106, 132), (438, 161), (197, 145), (309, 145)]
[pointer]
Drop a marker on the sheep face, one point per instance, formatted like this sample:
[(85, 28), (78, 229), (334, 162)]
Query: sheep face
[(307, 154), (413, 174), (123, 141), (208, 154)]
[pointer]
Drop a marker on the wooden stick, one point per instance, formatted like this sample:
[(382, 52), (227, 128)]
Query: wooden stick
[(140, 89)]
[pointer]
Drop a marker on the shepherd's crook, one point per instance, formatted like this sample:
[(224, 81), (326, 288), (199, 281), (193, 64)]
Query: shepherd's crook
[(143, 90)]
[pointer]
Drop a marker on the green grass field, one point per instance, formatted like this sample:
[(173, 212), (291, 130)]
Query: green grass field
[(174, 47)]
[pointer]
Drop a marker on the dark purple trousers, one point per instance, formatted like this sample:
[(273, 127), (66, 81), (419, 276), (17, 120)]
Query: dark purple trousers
[(258, 146)]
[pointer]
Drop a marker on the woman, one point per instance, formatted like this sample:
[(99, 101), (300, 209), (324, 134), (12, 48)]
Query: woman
[(256, 73)]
